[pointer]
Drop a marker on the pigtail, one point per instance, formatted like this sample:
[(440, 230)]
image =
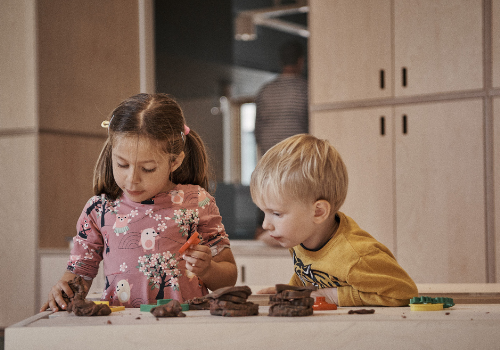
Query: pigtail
[(194, 169), (104, 182)]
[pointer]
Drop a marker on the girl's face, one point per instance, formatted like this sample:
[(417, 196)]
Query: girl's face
[(140, 169)]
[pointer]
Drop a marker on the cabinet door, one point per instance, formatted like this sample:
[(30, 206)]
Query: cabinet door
[(349, 46), (364, 139), (440, 43), (495, 40), (440, 191), (496, 170), (264, 271)]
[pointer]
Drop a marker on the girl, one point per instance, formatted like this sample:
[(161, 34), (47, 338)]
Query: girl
[(150, 186)]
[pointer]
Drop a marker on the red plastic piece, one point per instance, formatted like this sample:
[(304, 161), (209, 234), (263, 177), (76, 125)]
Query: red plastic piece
[(321, 304), (194, 239)]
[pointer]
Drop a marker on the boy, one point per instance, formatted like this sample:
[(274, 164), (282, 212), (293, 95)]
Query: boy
[(300, 184)]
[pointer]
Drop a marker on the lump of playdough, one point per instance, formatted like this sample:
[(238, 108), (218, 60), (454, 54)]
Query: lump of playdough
[(78, 305), (171, 309)]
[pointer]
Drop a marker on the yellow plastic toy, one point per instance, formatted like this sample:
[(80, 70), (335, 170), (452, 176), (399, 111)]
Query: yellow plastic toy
[(430, 304)]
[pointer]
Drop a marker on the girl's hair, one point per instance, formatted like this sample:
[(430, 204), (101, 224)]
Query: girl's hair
[(158, 118), (301, 168)]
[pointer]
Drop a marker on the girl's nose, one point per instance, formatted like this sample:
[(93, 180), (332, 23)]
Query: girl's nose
[(133, 176)]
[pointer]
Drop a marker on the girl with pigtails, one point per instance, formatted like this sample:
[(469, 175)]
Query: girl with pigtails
[(151, 196)]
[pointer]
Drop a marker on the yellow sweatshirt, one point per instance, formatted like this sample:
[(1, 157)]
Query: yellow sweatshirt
[(362, 269)]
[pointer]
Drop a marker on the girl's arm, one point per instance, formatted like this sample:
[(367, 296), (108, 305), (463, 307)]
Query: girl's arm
[(216, 272), (55, 300)]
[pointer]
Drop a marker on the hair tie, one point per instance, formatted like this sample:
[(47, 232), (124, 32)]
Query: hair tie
[(185, 132), (106, 123)]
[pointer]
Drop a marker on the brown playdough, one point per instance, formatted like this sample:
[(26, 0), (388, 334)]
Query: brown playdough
[(291, 301), (290, 310), (231, 302), (282, 287), (171, 309), (362, 311), (202, 303), (241, 291), (78, 305)]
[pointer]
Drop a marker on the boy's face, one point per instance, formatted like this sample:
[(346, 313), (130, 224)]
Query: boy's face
[(290, 222)]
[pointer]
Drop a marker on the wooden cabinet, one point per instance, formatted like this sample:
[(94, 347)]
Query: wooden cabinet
[(364, 139), (263, 271), (260, 265), (496, 170), (416, 183), (438, 46), (439, 173), (363, 50), (495, 41), (353, 31)]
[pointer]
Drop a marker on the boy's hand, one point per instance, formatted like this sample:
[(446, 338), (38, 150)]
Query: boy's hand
[(268, 290), (330, 294)]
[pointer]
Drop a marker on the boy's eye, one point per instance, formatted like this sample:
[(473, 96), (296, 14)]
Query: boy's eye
[(277, 214)]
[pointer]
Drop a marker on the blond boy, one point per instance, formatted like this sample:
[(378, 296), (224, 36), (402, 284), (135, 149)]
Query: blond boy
[(300, 185)]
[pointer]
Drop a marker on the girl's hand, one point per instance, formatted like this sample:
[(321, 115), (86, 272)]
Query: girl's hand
[(198, 259), (55, 300)]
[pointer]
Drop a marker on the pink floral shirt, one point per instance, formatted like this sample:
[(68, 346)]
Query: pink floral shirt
[(139, 243)]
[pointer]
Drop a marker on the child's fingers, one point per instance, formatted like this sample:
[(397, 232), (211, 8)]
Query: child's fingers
[(197, 263), (198, 248), (44, 306), (198, 252), (63, 286), (56, 300), (268, 290)]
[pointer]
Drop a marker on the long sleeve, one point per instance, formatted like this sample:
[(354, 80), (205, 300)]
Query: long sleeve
[(377, 279), (88, 244), (364, 271)]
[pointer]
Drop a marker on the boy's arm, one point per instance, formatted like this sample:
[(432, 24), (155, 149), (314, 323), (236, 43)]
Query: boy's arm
[(377, 279)]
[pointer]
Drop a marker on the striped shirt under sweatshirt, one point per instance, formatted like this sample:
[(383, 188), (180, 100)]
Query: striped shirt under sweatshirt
[(282, 111)]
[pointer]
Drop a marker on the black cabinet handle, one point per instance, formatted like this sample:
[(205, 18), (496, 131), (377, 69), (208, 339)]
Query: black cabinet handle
[(382, 125), (404, 77), (243, 277), (405, 124), (382, 79)]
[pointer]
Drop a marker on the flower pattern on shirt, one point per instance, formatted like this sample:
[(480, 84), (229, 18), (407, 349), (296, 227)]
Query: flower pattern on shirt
[(141, 260)]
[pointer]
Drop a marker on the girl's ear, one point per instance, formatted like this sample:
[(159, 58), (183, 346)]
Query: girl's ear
[(176, 163), (322, 210)]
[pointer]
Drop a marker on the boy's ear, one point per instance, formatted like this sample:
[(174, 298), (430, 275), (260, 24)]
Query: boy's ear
[(176, 163), (322, 210)]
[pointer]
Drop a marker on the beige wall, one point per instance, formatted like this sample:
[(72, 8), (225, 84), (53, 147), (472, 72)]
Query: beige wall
[(18, 164), (65, 65), (88, 59)]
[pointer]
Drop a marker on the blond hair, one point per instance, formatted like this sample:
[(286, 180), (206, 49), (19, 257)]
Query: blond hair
[(301, 167)]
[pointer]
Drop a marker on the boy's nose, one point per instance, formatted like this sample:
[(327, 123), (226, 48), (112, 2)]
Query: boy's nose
[(266, 225)]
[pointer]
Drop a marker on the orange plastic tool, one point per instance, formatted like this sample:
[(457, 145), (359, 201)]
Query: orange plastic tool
[(194, 239), (321, 304)]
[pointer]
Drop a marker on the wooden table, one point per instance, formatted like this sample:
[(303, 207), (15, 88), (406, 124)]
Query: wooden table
[(464, 326)]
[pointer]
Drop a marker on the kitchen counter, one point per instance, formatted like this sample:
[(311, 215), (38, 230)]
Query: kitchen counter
[(464, 326)]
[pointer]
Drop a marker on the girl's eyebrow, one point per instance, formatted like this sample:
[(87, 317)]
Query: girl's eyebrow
[(126, 160)]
